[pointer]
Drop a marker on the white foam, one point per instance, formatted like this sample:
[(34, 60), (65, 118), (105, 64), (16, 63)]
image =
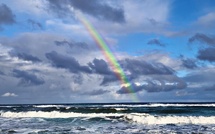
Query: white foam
[(120, 109), (54, 114), (46, 106), (133, 117), (160, 105), (151, 119), (182, 105), (9, 106)]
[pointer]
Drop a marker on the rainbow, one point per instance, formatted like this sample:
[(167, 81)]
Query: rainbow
[(109, 57)]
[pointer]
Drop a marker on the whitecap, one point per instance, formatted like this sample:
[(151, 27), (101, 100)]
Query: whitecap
[(152, 119)]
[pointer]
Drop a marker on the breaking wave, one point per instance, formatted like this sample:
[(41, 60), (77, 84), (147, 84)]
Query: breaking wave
[(132, 117), (151, 119), (54, 114), (161, 105)]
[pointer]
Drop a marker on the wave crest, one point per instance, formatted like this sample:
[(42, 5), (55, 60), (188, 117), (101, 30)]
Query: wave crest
[(54, 114), (133, 117), (152, 119)]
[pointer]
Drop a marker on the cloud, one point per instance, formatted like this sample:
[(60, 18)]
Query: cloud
[(24, 56), (59, 52), (66, 62), (120, 11), (135, 68), (157, 83), (150, 21), (163, 83), (209, 40), (207, 54), (73, 45), (109, 78), (96, 8), (8, 61), (200, 78), (27, 79), (181, 93), (141, 67), (34, 24), (155, 42), (6, 15), (29, 8), (32, 43), (210, 88), (9, 95), (188, 63), (1, 73), (207, 20), (100, 66), (157, 56), (135, 88), (96, 92)]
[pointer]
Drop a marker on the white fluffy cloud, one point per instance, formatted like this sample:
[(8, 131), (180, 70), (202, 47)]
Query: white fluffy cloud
[(9, 95)]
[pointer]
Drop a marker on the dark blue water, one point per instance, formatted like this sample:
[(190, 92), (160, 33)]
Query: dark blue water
[(178, 118)]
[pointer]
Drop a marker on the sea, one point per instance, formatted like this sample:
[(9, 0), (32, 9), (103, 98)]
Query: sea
[(113, 118)]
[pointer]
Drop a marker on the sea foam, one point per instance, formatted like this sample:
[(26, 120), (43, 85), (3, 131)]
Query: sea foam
[(132, 117), (153, 119), (161, 105), (54, 114)]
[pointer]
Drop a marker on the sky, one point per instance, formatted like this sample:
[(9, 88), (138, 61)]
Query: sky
[(165, 49)]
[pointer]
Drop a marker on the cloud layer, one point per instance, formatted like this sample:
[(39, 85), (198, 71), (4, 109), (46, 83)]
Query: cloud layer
[(48, 56)]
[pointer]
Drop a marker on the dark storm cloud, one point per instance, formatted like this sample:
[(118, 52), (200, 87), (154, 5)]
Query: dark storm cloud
[(158, 83), (24, 56), (188, 63), (140, 67), (209, 40), (96, 92), (156, 42), (34, 24), (6, 15), (207, 54), (27, 79), (72, 44), (96, 8), (100, 66), (66, 62)]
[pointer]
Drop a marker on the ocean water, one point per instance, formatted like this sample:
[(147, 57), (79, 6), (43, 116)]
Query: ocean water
[(121, 118)]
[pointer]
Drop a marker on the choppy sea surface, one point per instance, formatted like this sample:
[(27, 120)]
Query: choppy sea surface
[(121, 118)]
